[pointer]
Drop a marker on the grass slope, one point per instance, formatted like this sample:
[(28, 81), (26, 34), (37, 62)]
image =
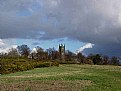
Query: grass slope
[(64, 78)]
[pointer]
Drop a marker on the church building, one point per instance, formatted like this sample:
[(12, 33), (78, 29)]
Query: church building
[(62, 51)]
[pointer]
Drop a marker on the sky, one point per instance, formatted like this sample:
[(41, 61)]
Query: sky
[(88, 26)]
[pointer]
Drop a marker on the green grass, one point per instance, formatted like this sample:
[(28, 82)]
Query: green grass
[(66, 78)]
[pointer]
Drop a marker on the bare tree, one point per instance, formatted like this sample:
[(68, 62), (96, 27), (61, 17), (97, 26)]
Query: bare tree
[(51, 53), (40, 52), (105, 60), (81, 58), (24, 50), (114, 60), (13, 52)]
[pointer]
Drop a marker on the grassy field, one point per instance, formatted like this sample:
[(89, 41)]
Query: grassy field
[(64, 78)]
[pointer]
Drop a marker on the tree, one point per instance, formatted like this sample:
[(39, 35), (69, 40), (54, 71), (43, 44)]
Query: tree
[(51, 53), (40, 53), (81, 58), (24, 50), (90, 56), (114, 60), (39, 49), (97, 59), (13, 52), (105, 60), (68, 52), (69, 56)]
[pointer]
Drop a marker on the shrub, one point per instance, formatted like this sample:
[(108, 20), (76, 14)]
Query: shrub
[(88, 61), (55, 64), (9, 66), (44, 64)]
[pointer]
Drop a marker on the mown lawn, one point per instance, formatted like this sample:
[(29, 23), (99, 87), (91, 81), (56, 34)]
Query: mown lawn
[(64, 78)]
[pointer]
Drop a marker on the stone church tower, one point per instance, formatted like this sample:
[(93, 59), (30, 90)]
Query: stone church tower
[(62, 51)]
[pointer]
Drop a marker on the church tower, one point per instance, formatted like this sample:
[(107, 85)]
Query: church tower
[(62, 51)]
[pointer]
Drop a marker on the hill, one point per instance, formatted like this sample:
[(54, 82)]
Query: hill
[(64, 78)]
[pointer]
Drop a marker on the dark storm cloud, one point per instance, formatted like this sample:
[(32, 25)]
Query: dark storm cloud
[(91, 21), (35, 43)]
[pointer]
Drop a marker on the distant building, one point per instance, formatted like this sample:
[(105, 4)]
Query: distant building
[(62, 51)]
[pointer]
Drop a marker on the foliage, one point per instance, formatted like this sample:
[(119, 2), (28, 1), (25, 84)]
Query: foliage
[(81, 58), (89, 61), (97, 59), (40, 54), (12, 66), (25, 60), (114, 61), (52, 54), (28, 89), (24, 50), (42, 64), (105, 60), (55, 64), (13, 53)]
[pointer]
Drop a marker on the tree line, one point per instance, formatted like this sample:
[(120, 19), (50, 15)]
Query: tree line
[(23, 51)]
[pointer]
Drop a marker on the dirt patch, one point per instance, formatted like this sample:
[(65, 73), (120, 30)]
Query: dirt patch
[(46, 86)]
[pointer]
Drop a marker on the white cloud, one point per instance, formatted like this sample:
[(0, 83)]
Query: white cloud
[(88, 45), (6, 44), (34, 50), (1, 42), (14, 46), (6, 49)]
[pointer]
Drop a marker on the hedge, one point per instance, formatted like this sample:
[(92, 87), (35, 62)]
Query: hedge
[(16, 66)]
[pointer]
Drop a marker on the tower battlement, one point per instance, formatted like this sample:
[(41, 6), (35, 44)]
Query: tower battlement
[(62, 51)]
